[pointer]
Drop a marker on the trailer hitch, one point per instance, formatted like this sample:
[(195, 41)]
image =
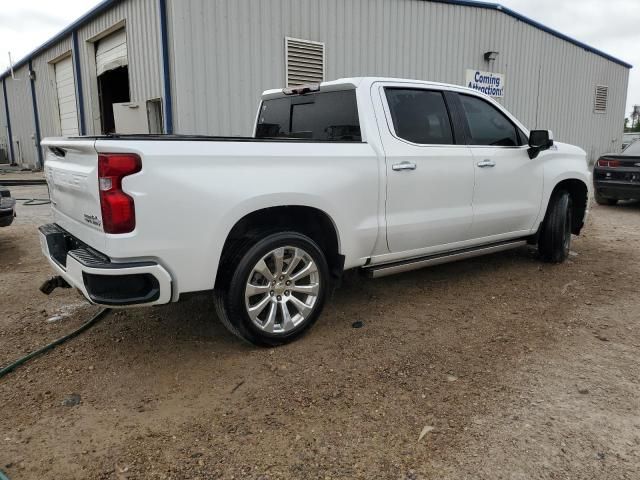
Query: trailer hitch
[(54, 282)]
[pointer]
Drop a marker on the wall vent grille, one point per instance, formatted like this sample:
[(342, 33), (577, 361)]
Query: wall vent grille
[(304, 61), (602, 97)]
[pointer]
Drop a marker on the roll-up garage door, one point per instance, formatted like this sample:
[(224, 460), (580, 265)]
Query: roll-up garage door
[(111, 52), (66, 88)]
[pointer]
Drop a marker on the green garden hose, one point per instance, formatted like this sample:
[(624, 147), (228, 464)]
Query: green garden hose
[(85, 326), (33, 202)]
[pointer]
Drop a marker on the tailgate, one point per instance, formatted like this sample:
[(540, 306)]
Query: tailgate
[(71, 170)]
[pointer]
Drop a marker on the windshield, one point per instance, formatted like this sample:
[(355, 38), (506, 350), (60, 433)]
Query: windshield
[(632, 149), (330, 116)]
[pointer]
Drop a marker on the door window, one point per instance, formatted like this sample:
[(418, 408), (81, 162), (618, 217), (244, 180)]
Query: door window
[(420, 116), (488, 125)]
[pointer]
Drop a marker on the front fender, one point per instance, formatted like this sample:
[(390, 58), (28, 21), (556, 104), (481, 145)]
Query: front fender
[(565, 162)]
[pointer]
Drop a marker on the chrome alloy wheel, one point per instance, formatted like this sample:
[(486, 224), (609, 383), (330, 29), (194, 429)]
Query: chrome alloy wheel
[(282, 290)]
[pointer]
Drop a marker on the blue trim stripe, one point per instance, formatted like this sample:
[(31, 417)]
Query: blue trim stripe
[(164, 39), (533, 23), (36, 117), (6, 109), (78, 81)]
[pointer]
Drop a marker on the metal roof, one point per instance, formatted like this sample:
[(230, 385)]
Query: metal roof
[(106, 4)]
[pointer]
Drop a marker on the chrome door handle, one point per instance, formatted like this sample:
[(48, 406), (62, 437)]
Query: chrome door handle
[(398, 167), (486, 163)]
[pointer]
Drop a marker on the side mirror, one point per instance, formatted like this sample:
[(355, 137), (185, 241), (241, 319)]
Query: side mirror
[(539, 140)]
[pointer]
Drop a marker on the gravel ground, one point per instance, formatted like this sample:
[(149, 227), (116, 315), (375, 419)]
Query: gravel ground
[(511, 369)]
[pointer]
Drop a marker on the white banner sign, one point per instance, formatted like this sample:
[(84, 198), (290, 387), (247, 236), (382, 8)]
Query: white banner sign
[(489, 83)]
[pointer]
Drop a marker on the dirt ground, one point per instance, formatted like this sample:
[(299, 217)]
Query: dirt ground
[(519, 370)]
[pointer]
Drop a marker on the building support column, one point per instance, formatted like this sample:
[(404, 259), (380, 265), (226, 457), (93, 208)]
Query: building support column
[(78, 82), (166, 72), (6, 110), (36, 118)]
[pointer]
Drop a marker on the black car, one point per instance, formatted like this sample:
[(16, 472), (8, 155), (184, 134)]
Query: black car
[(7, 207), (617, 176)]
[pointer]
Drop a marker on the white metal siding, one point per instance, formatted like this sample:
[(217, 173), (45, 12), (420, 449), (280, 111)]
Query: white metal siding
[(225, 53), (46, 89), (66, 93), (111, 52)]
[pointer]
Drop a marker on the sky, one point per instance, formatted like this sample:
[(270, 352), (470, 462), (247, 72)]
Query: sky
[(611, 26)]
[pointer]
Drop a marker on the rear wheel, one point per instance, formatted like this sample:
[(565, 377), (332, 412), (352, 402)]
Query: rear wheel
[(554, 242), (600, 200), (276, 289)]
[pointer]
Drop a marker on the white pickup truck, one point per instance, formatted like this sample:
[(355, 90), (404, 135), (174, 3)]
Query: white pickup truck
[(382, 175)]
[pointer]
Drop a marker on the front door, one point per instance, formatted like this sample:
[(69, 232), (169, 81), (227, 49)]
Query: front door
[(508, 184)]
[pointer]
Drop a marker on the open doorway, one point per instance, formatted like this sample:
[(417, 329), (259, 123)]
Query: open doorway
[(112, 72), (113, 87)]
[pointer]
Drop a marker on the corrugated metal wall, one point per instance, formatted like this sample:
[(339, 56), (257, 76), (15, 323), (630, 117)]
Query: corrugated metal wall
[(141, 20), (224, 53), (4, 147), (22, 123), (45, 84)]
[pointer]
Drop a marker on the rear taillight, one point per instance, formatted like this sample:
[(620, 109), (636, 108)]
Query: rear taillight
[(118, 209), (606, 162)]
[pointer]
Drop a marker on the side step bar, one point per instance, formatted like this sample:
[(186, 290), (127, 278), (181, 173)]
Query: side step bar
[(421, 262)]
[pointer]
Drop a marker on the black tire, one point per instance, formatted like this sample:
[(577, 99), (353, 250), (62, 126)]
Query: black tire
[(600, 200), (554, 242), (229, 297)]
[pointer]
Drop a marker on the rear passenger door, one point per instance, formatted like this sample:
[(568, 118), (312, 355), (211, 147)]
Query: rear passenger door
[(508, 185), (429, 171)]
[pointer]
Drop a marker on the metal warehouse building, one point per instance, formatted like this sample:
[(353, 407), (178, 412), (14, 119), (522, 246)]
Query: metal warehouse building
[(199, 66)]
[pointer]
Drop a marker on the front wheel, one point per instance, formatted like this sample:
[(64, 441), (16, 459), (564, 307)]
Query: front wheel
[(276, 290), (554, 242)]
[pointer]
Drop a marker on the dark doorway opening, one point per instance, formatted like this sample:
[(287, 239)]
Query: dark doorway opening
[(113, 87)]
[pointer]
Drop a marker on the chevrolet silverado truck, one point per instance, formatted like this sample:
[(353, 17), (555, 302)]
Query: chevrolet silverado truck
[(381, 175)]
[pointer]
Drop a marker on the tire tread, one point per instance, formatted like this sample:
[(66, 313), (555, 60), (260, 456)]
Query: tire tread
[(550, 243)]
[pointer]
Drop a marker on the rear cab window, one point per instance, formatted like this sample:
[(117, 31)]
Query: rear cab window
[(322, 116)]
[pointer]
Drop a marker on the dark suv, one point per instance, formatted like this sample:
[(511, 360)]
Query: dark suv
[(617, 176), (7, 207)]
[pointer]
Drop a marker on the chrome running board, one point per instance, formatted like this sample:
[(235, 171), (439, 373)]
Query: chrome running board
[(421, 262)]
